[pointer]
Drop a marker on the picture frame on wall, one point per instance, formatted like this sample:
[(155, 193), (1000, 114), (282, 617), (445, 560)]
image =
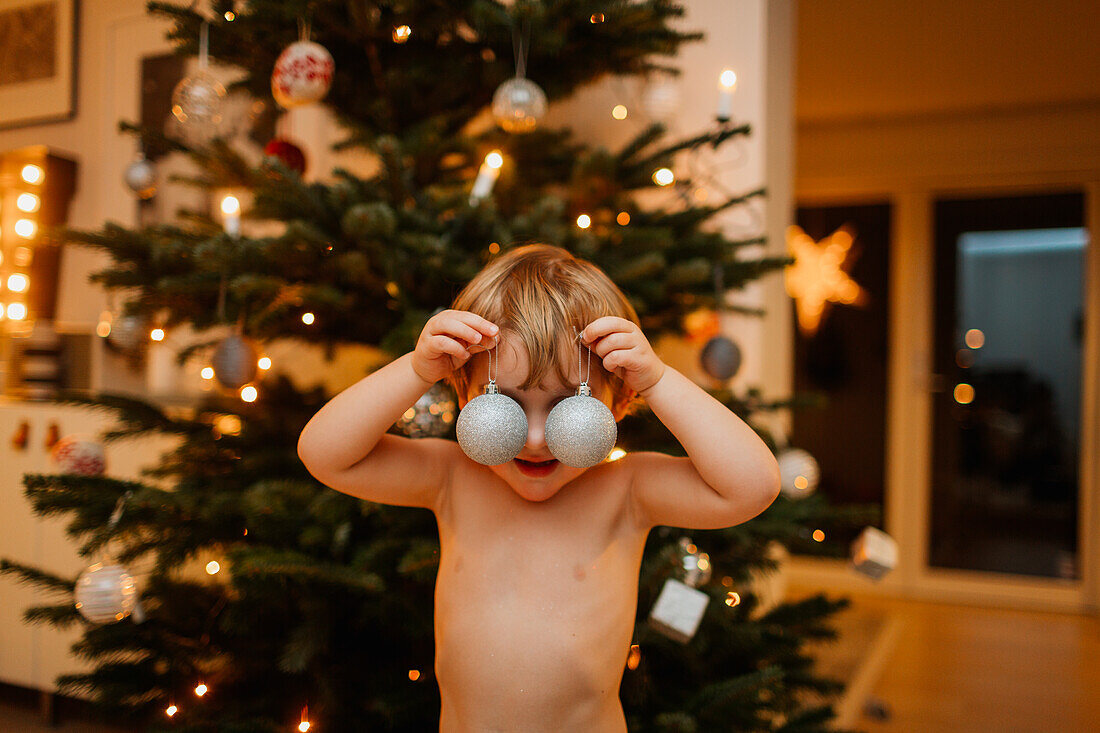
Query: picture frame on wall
[(37, 70)]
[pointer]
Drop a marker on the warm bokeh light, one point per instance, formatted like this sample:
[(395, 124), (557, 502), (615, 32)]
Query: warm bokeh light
[(819, 277), (635, 657), (818, 536), (733, 598), (597, 18), (201, 689), (103, 329), (727, 79), (171, 710), (727, 581), (801, 483), (663, 176), (691, 549), (264, 363), (213, 567), (28, 202), (414, 674), (964, 358), (303, 726), (228, 425), (494, 159), (32, 174), (25, 228), (584, 221), (619, 112), (18, 282), (230, 16), (975, 339), (22, 256), (308, 319), (401, 33), (157, 334), (249, 393), (17, 311), (207, 372), (964, 393), (616, 454), (231, 205), (623, 218), (494, 247)]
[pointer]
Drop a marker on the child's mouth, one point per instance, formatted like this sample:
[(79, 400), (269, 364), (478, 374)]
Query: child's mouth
[(536, 468)]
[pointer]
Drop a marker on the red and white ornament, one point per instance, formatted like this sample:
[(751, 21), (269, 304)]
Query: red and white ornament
[(302, 74), (75, 454)]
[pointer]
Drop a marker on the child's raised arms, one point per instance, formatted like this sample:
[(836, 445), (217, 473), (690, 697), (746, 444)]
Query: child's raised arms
[(345, 445)]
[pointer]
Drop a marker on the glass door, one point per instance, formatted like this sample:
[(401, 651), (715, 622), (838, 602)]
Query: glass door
[(1009, 329)]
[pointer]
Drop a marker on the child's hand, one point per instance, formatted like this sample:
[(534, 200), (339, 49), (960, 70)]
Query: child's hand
[(448, 340), (625, 351)]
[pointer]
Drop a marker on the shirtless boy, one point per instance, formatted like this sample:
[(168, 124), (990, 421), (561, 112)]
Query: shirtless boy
[(539, 561)]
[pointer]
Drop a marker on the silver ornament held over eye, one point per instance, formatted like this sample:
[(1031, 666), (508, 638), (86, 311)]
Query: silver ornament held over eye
[(581, 430), (492, 427)]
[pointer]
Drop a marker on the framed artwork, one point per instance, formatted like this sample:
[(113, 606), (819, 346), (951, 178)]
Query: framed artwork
[(37, 52)]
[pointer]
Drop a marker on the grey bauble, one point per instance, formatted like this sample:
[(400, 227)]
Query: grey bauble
[(141, 177), (492, 428), (721, 358), (580, 430), (105, 593), (235, 362), (518, 105)]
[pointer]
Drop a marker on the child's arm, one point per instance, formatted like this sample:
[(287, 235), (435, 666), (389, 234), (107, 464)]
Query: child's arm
[(730, 475), (345, 444)]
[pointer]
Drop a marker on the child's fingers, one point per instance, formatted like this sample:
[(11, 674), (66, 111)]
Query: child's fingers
[(446, 345), (473, 320), (456, 328), (612, 341), (603, 326)]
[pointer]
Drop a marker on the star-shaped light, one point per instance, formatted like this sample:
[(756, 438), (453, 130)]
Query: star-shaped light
[(819, 275)]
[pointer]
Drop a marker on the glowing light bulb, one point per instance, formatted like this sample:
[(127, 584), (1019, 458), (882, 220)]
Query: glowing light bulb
[(249, 393), (213, 567), (663, 176), (619, 112), (231, 205), (975, 339), (25, 228), (727, 79), (623, 218), (616, 454), (157, 334), (584, 221), (17, 311), (207, 373), (201, 689), (18, 282), (414, 674), (308, 318), (818, 536), (732, 599), (303, 726), (494, 159), (32, 174), (401, 33), (230, 16), (28, 202), (264, 363), (171, 710), (597, 18)]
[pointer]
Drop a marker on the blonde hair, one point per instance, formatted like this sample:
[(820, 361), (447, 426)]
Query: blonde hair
[(541, 293)]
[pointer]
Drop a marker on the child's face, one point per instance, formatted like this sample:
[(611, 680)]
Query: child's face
[(534, 483)]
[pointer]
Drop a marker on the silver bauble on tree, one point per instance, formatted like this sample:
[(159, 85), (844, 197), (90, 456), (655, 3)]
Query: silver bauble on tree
[(197, 104), (141, 177), (580, 430), (235, 362), (431, 416), (105, 593), (492, 427), (518, 105), (721, 358), (799, 473), (128, 333)]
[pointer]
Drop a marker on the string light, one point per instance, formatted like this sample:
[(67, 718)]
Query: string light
[(103, 328), (401, 33), (818, 535), (584, 221), (975, 339), (25, 228), (249, 393), (264, 363), (616, 454), (207, 372), (663, 176), (414, 674), (200, 689), (213, 567), (18, 282), (308, 318), (635, 657), (32, 174), (303, 726), (28, 202), (17, 311), (623, 218), (157, 334), (494, 247), (230, 16), (171, 709), (732, 598), (619, 112), (597, 18)]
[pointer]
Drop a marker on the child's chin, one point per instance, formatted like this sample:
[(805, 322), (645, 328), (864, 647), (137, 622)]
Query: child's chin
[(535, 492)]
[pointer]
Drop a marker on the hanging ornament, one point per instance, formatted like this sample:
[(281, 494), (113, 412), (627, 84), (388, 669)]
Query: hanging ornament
[(678, 610), (519, 103), (492, 427), (141, 177), (581, 430), (431, 416), (369, 220), (235, 362), (303, 72), (661, 100), (105, 593), (874, 553), (79, 455), (197, 99), (290, 154), (696, 565), (799, 473), (128, 333), (721, 358)]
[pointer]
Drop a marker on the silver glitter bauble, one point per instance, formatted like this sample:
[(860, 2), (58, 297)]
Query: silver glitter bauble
[(798, 472), (695, 564), (197, 104), (234, 362), (518, 105), (105, 593), (721, 358), (431, 416), (141, 177), (128, 333), (581, 430), (492, 428)]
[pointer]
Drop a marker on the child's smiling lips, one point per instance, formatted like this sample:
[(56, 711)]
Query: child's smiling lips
[(542, 467)]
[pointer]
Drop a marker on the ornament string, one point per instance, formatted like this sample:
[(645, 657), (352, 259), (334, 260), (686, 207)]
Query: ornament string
[(580, 354), (204, 44), (305, 27), (520, 42), (490, 354)]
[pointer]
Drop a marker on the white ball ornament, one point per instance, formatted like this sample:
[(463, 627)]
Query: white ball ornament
[(105, 593), (197, 102), (77, 455), (799, 473), (141, 177), (518, 105), (580, 430), (492, 427), (235, 362), (302, 74)]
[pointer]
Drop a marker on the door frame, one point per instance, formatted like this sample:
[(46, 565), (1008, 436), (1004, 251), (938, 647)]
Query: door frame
[(909, 404)]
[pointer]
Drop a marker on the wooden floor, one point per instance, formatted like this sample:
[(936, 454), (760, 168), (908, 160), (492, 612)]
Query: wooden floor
[(933, 667), (961, 669)]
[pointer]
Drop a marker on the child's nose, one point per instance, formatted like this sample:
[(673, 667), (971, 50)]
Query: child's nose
[(536, 434)]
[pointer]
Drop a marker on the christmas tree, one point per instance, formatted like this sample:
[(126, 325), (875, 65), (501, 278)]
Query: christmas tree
[(328, 601)]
